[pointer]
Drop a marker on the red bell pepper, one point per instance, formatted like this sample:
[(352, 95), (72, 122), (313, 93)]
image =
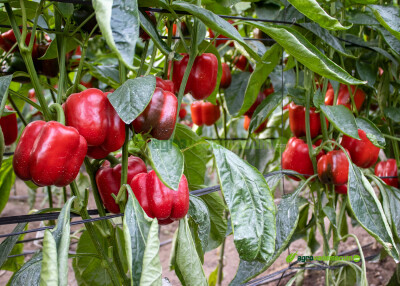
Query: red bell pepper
[(91, 113), (297, 120), (341, 189), (221, 42), (202, 78), (184, 29), (204, 113), (363, 153), (108, 180), (296, 157), (8, 39), (261, 128), (9, 126), (388, 169), (166, 84), (344, 96), (159, 117), (226, 78), (242, 63), (182, 111), (261, 96), (333, 168), (158, 201), (49, 153)]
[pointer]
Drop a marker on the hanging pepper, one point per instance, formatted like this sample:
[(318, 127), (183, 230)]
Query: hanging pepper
[(202, 78), (261, 128), (388, 169), (261, 96), (184, 29), (296, 157), (341, 189), (8, 39), (158, 201), (159, 117), (108, 180), (49, 153), (344, 96), (91, 113), (204, 113), (182, 111), (165, 84), (363, 153), (333, 168), (297, 120), (226, 77), (9, 126), (242, 63), (221, 42)]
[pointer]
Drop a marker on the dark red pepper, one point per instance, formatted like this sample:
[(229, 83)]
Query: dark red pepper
[(158, 201), (242, 63), (297, 120), (153, 20), (226, 78), (9, 126), (388, 169), (108, 180), (202, 78), (363, 153), (333, 168), (92, 114), (204, 113), (296, 157), (344, 96), (261, 128), (221, 42), (182, 111), (159, 117), (341, 189), (165, 84), (49, 153)]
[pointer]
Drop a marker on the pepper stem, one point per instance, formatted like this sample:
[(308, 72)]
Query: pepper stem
[(56, 108), (114, 161)]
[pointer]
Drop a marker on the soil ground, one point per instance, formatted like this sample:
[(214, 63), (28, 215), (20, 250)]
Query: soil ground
[(379, 273)]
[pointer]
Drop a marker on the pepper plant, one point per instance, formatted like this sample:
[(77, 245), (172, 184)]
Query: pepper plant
[(94, 107)]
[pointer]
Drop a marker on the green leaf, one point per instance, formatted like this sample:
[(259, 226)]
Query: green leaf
[(7, 179), (389, 18), (167, 161), (342, 118), (52, 51), (319, 98), (29, 274), (8, 244), (49, 271), (132, 97), (393, 202), (259, 75), (198, 213), (186, 258), (4, 84), (368, 210), (151, 270), (331, 214), (373, 133), (298, 46), (395, 280), (66, 9), (367, 72), (391, 40), (234, 94), (215, 23), (313, 11), (392, 113), (265, 109), (250, 203), (106, 74), (213, 278), (112, 17), (2, 148)]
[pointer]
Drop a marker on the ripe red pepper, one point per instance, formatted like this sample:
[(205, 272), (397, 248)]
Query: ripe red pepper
[(204, 113), (344, 96), (261, 96), (261, 128), (226, 78), (363, 153), (221, 42), (296, 157), (342, 189), (184, 29), (202, 78), (142, 33), (182, 111), (333, 168), (8, 39), (91, 113), (49, 153), (159, 117), (9, 126), (108, 180), (241, 63), (297, 120), (158, 201), (166, 84), (388, 169)]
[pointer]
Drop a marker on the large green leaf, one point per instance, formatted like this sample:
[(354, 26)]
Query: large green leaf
[(49, 271), (368, 210), (392, 200), (8, 244), (265, 109), (132, 97), (373, 133), (29, 274), (250, 203), (342, 118), (167, 161), (389, 17), (306, 53), (392, 113), (112, 17), (52, 52), (234, 94), (7, 178), (215, 23), (312, 10)]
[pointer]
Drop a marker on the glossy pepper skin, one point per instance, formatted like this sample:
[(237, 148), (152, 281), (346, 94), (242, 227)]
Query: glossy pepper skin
[(344, 96), (297, 120), (363, 153), (261, 96), (49, 153), (341, 189), (158, 201), (8, 39), (165, 84), (261, 128), (226, 77), (202, 78), (296, 157), (333, 168), (159, 117), (91, 113), (388, 169), (108, 180), (241, 63), (204, 113), (9, 126), (221, 42)]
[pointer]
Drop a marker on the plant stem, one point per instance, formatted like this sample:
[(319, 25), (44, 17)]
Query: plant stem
[(143, 58), (18, 111), (220, 276), (61, 47), (91, 172)]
